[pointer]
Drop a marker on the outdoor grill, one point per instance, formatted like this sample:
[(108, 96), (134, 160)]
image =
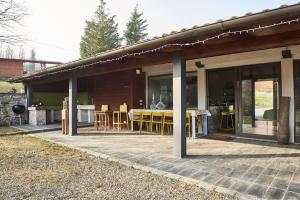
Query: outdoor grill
[(18, 109)]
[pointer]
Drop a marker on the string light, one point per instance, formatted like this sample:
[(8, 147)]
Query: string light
[(224, 34)]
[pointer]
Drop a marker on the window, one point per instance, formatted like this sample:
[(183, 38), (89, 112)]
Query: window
[(161, 88)]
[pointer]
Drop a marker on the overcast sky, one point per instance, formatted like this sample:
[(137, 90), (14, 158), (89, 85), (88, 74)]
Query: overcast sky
[(54, 27)]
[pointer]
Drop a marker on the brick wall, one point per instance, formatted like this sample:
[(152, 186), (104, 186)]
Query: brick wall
[(11, 68)]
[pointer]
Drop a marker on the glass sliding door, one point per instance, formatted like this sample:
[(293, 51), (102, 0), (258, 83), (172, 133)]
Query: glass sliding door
[(297, 100), (259, 95), (160, 89)]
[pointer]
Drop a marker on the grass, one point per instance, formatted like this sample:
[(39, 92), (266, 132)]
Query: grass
[(5, 129), (23, 149), (7, 87), (31, 168), (263, 99)]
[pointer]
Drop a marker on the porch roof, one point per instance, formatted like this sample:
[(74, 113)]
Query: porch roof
[(266, 17)]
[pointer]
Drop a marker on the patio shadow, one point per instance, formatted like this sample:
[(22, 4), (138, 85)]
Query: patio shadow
[(239, 156)]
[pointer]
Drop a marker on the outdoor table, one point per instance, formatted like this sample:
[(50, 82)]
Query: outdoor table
[(195, 113)]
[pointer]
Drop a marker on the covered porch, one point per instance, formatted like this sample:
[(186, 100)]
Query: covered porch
[(125, 75)]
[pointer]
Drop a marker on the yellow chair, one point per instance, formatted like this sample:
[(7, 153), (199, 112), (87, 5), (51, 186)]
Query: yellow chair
[(137, 117), (147, 120), (157, 119), (189, 122), (228, 115), (118, 117), (167, 121)]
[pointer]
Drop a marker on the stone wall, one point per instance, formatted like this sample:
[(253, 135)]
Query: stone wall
[(7, 100)]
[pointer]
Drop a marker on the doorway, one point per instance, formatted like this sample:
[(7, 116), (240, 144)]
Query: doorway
[(259, 92)]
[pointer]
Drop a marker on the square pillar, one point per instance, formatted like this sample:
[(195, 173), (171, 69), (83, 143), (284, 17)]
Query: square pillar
[(73, 106), (29, 94), (28, 99), (201, 78), (179, 105), (287, 86)]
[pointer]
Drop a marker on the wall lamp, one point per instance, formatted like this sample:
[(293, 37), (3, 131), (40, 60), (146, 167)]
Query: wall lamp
[(286, 53), (199, 64)]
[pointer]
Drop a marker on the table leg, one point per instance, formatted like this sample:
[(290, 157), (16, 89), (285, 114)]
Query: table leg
[(131, 124), (89, 116), (205, 131), (193, 127)]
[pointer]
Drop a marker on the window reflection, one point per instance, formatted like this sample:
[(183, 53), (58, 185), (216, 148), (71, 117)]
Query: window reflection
[(160, 89)]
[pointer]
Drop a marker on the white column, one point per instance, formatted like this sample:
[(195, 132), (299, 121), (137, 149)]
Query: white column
[(72, 106), (287, 85), (201, 77), (28, 99), (179, 105)]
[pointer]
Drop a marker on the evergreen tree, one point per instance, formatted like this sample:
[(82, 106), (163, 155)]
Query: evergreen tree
[(136, 27), (100, 34)]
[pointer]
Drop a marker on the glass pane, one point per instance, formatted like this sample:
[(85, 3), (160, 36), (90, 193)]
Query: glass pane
[(161, 88), (259, 99), (247, 103), (259, 107)]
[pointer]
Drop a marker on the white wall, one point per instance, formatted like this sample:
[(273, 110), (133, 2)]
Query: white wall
[(287, 85), (239, 59)]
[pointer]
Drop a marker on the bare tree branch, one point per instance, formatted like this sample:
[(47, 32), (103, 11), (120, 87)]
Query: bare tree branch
[(11, 15)]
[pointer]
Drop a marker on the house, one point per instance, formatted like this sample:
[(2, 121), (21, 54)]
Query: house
[(244, 64), (13, 93)]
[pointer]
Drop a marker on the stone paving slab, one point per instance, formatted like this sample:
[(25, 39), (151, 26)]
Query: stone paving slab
[(247, 170)]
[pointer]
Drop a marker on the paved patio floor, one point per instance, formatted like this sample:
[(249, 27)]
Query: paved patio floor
[(248, 168)]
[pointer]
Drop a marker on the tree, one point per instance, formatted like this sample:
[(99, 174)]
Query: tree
[(11, 14), (100, 34), (136, 27)]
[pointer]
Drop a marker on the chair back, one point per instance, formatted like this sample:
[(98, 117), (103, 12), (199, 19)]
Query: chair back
[(168, 114), (188, 115), (104, 108), (231, 109), (123, 107), (146, 115), (157, 116), (136, 115)]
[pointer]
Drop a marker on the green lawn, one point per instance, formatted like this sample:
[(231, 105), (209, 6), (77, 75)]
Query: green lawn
[(5, 129), (263, 99), (7, 87)]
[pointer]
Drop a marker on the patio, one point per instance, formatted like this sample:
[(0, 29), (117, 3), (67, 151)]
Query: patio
[(247, 169)]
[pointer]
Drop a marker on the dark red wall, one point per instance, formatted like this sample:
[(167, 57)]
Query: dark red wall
[(113, 89), (117, 88)]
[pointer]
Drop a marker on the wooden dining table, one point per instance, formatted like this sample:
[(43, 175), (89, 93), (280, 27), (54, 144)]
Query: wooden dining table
[(196, 115)]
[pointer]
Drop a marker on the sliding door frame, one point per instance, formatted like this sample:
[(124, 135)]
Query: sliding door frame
[(239, 131)]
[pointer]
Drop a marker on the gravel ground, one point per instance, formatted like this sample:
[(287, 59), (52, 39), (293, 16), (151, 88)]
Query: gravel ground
[(31, 168)]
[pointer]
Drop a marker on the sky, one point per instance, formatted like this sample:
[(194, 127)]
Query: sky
[(54, 27)]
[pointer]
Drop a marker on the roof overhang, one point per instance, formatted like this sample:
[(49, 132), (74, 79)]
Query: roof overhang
[(253, 20)]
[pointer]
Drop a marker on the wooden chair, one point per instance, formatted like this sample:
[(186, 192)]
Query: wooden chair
[(157, 119), (65, 121), (167, 121), (137, 117), (102, 117), (118, 116), (147, 120)]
